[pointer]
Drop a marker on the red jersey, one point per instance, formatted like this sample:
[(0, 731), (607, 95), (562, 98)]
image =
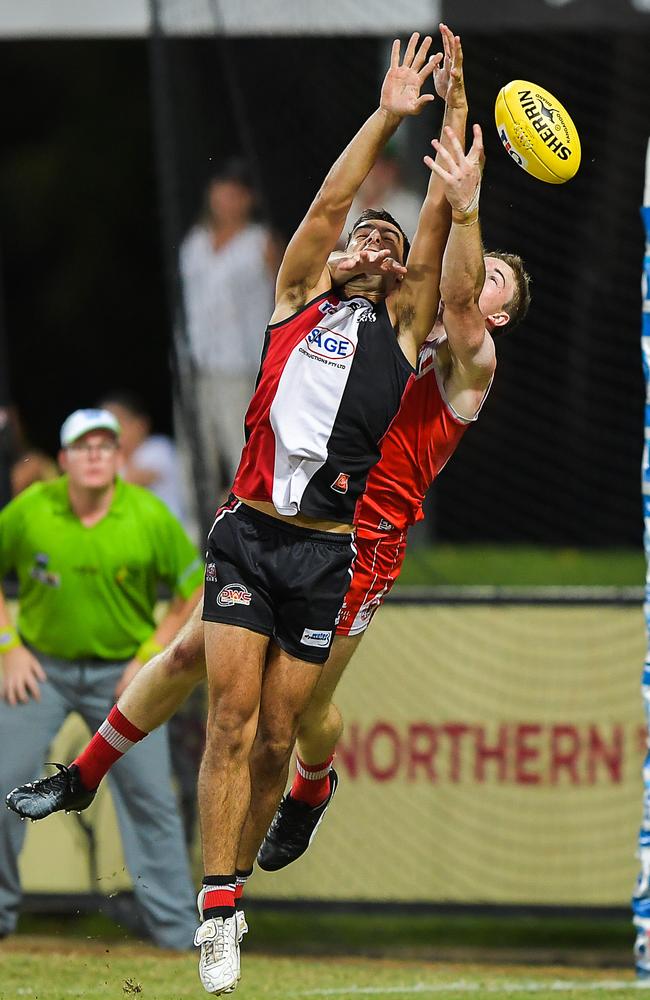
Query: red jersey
[(420, 441)]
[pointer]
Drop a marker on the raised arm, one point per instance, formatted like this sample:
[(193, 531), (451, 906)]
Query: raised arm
[(463, 272), (303, 272), (414, 304)]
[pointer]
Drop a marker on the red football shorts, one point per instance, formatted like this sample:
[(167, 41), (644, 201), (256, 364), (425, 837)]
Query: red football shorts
[(376, 568)]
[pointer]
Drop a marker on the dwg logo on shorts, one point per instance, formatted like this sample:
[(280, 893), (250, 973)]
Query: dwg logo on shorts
[(233, 593)]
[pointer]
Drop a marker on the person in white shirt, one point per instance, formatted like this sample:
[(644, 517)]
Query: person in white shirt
[(384, 188), (228, 264), (150, 460)]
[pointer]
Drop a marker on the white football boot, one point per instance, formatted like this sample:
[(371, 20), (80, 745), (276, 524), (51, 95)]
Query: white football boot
[(242, 926), (219, 959), (241, 929)]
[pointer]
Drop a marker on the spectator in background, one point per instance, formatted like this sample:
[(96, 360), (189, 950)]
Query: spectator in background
[(150, 460), (89, 551), (384, 188), (20, 463), (228, 264), (32, 466)]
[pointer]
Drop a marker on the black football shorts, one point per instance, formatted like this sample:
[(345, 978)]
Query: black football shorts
[(276, 579)]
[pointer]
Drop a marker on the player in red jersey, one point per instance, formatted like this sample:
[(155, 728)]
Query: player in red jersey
[(481, 296), (482, 299)]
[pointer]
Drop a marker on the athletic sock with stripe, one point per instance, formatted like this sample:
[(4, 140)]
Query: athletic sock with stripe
[(113, 739), (312, 782), (219, 898), (242, 878)]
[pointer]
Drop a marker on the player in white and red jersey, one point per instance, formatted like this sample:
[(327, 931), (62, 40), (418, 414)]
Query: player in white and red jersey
[(335, 364), (482, 295)]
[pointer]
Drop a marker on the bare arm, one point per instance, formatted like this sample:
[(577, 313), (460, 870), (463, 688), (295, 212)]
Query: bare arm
[(415, 303), (303, 272), (343, 264), (463, 273), (178, 612)]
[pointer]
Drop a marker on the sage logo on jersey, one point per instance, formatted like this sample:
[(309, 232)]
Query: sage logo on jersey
[(332, 346), (316, 637), (385, 525), (233, 593), (340, 484)]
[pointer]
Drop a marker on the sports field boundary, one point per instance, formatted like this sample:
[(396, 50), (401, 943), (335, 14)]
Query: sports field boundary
[(555, 596), (83, 903)]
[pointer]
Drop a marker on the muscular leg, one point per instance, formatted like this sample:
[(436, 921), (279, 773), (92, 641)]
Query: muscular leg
[(165, 681), (287, 687), (235, 662), (301, 810), (321, 723)]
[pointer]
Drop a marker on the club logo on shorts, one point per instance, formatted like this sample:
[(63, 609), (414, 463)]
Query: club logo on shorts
[(316, 637), (233, 593), (210, 572), (385, 525), (340, 484), (366, 611)]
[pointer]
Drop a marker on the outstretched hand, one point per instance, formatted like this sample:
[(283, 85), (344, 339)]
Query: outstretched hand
[(400, 93), (448, 74), (370, 262), (460, 173)]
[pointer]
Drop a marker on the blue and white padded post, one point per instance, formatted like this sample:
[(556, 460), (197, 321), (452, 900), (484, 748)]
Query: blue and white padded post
[(641, 897)]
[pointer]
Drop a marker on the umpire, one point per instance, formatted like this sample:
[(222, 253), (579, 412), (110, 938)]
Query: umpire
[(89, 551)]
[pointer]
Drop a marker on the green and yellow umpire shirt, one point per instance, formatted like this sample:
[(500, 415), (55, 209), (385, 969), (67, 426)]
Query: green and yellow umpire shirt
[(90, 593)]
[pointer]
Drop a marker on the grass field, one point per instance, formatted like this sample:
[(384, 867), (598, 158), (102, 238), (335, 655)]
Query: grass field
[(315, 953), (520, 565), (57, 969)]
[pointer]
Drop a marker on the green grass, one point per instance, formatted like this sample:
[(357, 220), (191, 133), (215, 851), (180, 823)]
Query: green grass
[(42, 968), (518, 565), (378, 955)]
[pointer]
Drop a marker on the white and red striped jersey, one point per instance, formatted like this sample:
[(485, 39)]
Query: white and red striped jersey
[(421, 440), (331, 381)]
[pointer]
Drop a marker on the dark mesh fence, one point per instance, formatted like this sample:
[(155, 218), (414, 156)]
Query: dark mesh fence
[(554, 458)]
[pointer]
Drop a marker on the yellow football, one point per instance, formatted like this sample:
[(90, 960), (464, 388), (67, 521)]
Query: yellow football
[(537, 132)]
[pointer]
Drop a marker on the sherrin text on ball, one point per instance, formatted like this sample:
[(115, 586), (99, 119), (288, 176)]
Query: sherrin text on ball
[(537, 132)]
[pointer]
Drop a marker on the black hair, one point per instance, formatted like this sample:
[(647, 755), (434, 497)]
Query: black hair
[(383, 216)]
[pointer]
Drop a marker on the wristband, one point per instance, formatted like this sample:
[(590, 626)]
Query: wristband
[(464, 218), (473, 203), (9, 639), (149, 648)]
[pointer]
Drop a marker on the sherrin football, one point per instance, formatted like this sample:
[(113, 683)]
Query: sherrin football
[(537, 132)]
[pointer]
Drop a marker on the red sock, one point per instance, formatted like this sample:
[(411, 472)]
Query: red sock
[(219, 897), (114, 737), (312, 782), (242, 878)]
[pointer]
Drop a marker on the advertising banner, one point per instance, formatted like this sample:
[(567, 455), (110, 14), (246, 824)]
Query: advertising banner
[(492, 754)]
